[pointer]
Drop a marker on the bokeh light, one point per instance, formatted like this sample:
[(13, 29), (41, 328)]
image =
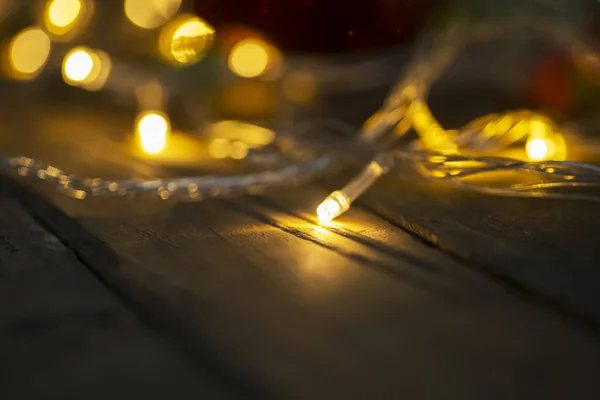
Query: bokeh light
[(150, 14), (539, 149), (328, 210), (62, 13), (250, 134), (78, 66), (65, 18), (544, 142), (219, 148), (249, 58), (28, 53), (152, 130), (86, 68), (185, 40), (239, 150)]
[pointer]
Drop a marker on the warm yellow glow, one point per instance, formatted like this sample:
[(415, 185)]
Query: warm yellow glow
[(219, 148), (538, 128), (28, 52), (179, 148), (255, 135), (78, 65), (150, 14), (62, 13), (333, 206), (238, 151), (153, 129), (339, 201), (64, 18), (185, 40), (249, 58), (539, 149), (86, 68), (250, 134), (328, 210), (432, 135)]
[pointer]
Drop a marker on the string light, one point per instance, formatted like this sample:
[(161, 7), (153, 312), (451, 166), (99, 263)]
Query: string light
[(406, 106), (28, 53), (152, 130), (63, 19), (339, 201), (62, 13), (219, 148), (539, 149), (450, 157), (239, 150), (249, 58), (86, 68), (185, 40), (78, 66)]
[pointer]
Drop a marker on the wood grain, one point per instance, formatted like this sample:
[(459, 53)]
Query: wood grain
[(64, 335), (417, 292), (288, 309), (545, 247)]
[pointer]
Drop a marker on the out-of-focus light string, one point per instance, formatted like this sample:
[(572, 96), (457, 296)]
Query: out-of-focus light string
[(436, 151), (451, 157)]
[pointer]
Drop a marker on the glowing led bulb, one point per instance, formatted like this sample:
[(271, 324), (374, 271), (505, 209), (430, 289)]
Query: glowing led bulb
[(249, 58), (61, 13), (86, 68), (28, 52), (339, 201), (333, 206), (153, 129), (185, 40), (78, 66), (537, 149), (65, 18)]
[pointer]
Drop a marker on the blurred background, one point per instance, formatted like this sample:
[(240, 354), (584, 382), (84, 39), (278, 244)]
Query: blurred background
[(153, 88)]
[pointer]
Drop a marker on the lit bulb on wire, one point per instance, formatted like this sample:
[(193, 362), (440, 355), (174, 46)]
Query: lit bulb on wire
[(339, 201), (152, 129), (86, 68)]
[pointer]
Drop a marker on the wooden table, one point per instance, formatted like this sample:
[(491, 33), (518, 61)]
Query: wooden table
[(418, 292)]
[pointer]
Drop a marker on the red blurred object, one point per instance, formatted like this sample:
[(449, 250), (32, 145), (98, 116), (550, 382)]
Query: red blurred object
[(552, 83), (321, 26)]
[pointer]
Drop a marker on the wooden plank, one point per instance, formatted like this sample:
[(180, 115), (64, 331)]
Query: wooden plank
[(282, 308), (308, 312), (546, 247), (64, 335)]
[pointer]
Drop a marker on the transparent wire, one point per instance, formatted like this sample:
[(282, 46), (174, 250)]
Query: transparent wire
[(436, 153)]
